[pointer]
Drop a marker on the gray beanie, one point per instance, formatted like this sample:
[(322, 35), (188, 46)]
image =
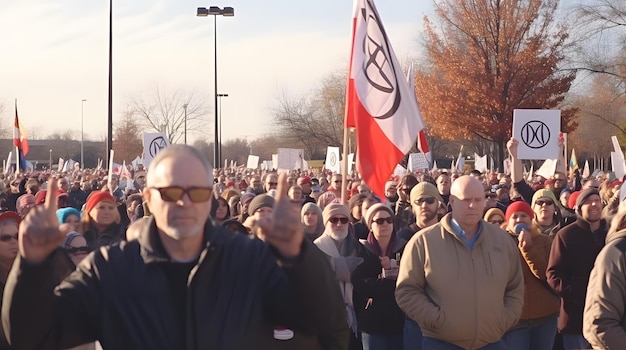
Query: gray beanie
[(260, 201), (583, 196)]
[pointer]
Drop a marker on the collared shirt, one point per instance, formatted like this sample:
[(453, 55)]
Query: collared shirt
[(463, 236)]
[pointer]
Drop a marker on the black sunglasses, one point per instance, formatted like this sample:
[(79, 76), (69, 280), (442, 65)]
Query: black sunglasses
[(7, 238), (335, 220), (76, 250), (541, 202), (380, 221), (176, 193), (428, 200)]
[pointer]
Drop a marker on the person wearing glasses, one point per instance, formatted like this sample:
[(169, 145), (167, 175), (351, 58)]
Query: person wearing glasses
[(536, 329), (461, 279), (403, 209), (344, 253), (380, 320), (100, 223), (182, 284), (271, 182)]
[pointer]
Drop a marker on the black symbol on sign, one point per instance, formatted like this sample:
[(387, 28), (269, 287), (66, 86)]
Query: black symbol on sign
[(378, 66), (156, 145), (333, 159), (535, 134)]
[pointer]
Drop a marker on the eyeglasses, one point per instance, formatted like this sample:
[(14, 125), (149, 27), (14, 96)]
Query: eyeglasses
[(7, 238), (428, 200), (176, 193), (337, 181), (380, 221), (541, 202), (76, 250), (273, 183), (335, 220)]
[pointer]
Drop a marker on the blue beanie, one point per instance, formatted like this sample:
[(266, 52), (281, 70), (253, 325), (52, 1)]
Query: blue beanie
[(63, 213)]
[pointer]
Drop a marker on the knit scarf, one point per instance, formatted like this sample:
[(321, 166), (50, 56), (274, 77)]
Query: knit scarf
[(376, 249)]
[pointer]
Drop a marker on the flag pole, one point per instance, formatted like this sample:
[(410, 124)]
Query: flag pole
[(344, 170), (17, 160)]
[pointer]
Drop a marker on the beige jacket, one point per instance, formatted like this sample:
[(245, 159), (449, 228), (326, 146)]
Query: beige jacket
[(468, 298), (604, 318)]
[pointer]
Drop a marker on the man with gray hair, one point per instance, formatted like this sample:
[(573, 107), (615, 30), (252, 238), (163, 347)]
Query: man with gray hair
[(183, 284), (460, 279)]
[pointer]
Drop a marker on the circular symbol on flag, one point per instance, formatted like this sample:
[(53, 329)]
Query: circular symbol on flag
[(333, 159), (383, 96), (157, 144), (535, 134)]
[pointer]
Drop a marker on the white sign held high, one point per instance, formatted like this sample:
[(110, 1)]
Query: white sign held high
[(153, 142), (537, 131), (332, 160), (253, 162)]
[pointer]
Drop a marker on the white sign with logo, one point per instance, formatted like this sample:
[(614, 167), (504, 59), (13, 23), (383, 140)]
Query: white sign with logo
[(332, 160), (537, 131), (153, 142)]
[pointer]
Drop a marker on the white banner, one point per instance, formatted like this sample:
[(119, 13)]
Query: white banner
[(537, 131), (417, 161), (547, 169), (332, 160), (253, 162), (153, 142), (480, 163), (290, 158)]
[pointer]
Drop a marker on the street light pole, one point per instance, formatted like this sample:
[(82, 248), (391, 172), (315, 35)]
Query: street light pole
[(215, 11), (220, 119), (50, 164), (82, 133), (185, 108)]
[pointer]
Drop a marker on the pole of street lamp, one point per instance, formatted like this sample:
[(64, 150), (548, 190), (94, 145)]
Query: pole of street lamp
[(220, 125), (50, 164), (82, 133), (185, 108)]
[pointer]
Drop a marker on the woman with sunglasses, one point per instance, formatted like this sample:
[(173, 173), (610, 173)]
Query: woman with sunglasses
[(537, 327), (547, 212), (100, 223), (380, 320)]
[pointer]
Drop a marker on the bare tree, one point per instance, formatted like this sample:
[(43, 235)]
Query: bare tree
[(167, 112), (127, 143)]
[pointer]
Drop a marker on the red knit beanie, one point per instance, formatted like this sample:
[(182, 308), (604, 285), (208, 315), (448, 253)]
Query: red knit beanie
[(97, 197), (519, 206), (571, 202)]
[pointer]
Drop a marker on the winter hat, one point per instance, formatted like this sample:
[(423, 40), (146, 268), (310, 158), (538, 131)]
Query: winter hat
[(246, 198), (583, 196), (24, 200), (334, 209), (493, 211), (10, 215), (40, 196), (97, 197), (260, 201), (304, 180), (369, 216), (571, 202), (63, 213), (519, 206), (544, 194), (425, 189), (69, 237)]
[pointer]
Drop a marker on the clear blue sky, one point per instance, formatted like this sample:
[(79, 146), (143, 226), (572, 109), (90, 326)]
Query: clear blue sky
[(55, 53)]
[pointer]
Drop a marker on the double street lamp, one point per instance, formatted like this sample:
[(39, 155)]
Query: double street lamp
[(215, 11)]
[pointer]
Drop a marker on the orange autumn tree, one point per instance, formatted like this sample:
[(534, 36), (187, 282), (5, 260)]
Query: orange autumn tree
[(487, 58)]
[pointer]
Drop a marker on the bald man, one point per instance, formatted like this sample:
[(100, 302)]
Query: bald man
[(460, 279)]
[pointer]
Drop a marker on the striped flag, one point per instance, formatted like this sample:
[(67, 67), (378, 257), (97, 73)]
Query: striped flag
[(19, 135)]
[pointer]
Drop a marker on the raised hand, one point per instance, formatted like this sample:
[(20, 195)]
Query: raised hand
[(283, 229), (511, 145), (40, 233)]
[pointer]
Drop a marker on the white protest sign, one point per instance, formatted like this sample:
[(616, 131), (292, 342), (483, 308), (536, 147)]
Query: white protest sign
[(289, 158), (153, 142), (480, 163), (617, 162), (417, 161), (274, 161), (253, 162), (547, 169), (537, 131), (399, 170), (332, 160)]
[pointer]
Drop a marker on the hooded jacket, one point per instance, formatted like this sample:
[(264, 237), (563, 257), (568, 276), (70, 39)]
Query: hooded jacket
[(604, 319), (468, 298), (120, 295)]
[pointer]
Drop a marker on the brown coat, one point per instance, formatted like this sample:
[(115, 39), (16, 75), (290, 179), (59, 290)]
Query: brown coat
[(539, 300)]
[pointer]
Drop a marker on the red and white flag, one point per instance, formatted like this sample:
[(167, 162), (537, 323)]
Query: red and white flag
[(422, 143), (19, 135), (379, 102)]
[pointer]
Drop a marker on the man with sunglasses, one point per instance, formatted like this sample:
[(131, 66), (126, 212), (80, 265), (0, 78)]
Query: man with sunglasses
[(183, 284), (461, 279)]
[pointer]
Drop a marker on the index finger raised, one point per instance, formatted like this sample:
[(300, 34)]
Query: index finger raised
[(51, 195), (282, 189)]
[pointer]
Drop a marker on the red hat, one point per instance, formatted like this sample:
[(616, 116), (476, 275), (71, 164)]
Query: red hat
[(304, 180), (615, 183), (40, 196), (571, 202), (230, 184), (97, 197), (519, 206), (10, 215)]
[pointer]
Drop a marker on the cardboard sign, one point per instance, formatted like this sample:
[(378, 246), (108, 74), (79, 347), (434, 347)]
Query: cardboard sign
[(253, 162), (537, 131), (153, 143)]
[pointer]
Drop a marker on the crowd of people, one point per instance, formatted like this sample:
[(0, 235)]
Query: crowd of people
[(183, 256)]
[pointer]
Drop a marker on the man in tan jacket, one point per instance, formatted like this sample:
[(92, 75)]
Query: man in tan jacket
[(461, 279)]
